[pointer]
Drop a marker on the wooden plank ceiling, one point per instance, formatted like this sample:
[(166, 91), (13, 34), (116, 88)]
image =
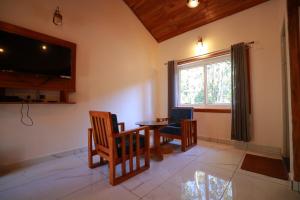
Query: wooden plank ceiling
[(168, 18)]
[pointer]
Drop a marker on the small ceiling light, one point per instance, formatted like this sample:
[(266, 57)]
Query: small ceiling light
[(44, 47), (192, 3), (1, 50), (57, 17)]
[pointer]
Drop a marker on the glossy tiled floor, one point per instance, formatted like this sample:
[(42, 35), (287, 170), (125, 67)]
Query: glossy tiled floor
[(208, 171)]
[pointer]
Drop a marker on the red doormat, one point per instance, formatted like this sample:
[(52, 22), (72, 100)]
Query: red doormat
[(267, 166)]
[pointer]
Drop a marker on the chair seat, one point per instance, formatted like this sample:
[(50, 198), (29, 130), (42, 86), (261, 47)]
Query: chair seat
[(175, 124), (119, 147), (173, 130)]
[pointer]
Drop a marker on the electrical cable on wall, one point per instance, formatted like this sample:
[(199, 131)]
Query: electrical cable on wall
[(27, 116)]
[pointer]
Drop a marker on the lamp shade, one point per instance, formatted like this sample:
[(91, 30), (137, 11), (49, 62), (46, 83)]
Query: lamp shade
[(192, 3)]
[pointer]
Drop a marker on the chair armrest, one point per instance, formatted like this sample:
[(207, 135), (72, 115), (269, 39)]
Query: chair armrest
[(162, 119), (122, 126), (187, 124), (131, 131), (188, 120), (122, 136)]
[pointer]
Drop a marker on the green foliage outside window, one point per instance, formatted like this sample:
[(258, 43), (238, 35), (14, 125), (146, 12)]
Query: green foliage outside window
[(206, 84)]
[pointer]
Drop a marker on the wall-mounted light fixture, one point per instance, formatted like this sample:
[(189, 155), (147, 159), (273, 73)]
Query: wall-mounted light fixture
[(44, 47), (200, 42), (57, 17), (192, 3), (1, 50), (200, 47)]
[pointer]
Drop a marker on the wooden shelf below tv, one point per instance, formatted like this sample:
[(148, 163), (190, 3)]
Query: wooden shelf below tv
[(20, 102)]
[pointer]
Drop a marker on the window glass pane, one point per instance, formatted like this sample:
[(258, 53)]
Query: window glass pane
[(219, 82), (191, 85)]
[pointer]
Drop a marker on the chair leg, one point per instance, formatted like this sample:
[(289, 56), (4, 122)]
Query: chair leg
[(183, 148), (90, 149), (92, 152), (183, 144), (112, 173), (195, 132), (166, 140)]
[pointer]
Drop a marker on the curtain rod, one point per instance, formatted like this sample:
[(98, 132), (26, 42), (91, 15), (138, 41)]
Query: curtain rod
[(207, 55)]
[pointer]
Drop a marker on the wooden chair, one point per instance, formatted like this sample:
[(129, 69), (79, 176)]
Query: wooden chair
[(164, 140), (182, 127), (116, 148)]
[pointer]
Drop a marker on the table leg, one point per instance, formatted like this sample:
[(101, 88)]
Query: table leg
[(157, 149)]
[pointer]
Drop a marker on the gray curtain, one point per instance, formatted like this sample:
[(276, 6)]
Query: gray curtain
[(171, 86), (240, 122)]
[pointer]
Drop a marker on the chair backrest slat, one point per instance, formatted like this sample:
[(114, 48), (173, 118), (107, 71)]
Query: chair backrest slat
[(97, 129), (102, 126), (103, 132), (96, 136)]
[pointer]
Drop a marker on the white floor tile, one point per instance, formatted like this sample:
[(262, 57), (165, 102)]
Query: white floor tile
[(249, 188), (195, 181), (157, 174), (102, 190), (39, 171), (207, 171), (54, 186)]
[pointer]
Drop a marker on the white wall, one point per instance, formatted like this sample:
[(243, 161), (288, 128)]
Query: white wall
[(120, 69), (116, 61), (261, 24)]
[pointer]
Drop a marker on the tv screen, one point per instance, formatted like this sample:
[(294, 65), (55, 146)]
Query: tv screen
[(26, 55)]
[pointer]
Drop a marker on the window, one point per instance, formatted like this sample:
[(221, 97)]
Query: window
[(205, 83)]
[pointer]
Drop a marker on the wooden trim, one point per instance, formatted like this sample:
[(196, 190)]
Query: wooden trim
[(203, 57), (32, 102), (167, 19), (209, 55), (41, 82), (213, 110), (294, 49), (64, 96), (2, 91)]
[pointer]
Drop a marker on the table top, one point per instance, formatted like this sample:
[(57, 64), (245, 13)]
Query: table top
[(152, 123)]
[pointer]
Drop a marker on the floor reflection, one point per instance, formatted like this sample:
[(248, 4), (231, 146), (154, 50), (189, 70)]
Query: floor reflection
[(206, 186)]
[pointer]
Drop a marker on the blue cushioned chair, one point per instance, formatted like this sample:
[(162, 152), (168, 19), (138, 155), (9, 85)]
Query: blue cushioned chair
[(181, 126)]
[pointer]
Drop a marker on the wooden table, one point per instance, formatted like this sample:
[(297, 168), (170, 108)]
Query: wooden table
[(155, 126)]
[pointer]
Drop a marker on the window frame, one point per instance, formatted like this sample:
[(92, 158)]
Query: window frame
[(201, 63)]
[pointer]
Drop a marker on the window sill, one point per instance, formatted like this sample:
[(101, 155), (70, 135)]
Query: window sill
[(213, 110)]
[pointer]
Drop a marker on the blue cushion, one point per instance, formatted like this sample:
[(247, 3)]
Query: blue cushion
[(174, 124), (115, 123), (127, 147), (174, 130), (178, 114)]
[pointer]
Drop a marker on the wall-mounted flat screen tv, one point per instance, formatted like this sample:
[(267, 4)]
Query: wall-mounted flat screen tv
[(27, 55)]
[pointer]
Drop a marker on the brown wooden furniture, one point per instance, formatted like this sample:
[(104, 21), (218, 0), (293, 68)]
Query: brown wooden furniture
[(155, 126), (294, 49), (117, 148), (164, 140), (181, 127), (31, 81)]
